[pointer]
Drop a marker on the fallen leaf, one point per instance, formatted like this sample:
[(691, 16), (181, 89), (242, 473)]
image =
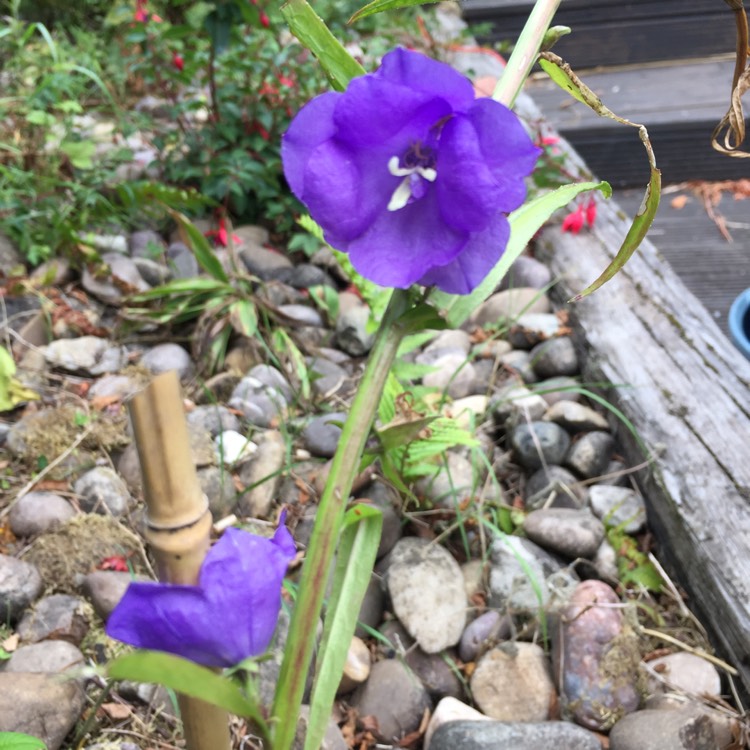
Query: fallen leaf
[(10, 644), (117, 711), (678, 202)]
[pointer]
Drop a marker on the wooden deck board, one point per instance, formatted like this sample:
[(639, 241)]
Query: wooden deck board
[(714, 270)]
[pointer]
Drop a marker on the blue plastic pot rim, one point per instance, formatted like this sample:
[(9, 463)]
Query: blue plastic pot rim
[(739, 322)]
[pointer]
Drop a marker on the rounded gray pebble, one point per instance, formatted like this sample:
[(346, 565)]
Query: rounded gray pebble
[(37, 512), (554, 357), (568, 532), (618, 506), (557, 482), (589, 455), (321, 434), (101, 490), (484, 735), (536, 443), (20, 585), (164, 357)]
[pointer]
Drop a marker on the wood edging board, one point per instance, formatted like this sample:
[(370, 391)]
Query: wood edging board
[(684, 387), (686, 390)]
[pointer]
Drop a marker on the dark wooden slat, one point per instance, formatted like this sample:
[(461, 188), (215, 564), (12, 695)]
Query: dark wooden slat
[(612, 33), (680, 104)]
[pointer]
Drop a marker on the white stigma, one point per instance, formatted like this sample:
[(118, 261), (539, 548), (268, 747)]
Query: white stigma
[(402, 193)]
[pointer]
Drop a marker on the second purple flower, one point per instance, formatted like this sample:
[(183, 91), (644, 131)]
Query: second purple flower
[(410, 174)]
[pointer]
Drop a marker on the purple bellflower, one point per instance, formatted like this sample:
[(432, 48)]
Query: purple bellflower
[(411, 175), (230, 615)]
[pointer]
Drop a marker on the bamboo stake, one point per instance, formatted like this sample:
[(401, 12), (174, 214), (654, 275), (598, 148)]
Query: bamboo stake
[(178, 522)]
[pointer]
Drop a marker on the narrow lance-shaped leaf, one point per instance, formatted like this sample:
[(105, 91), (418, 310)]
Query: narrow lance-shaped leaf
[(307, 26), (562, 74), (205, 256), (187, 678), (378, 6), (355, 559)]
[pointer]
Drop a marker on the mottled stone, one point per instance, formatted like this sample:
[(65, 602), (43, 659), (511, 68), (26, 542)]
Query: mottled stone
[(37, 512), (555, 357), (486, 735), (262, 473), (321, 434), (618, 506), (213, 418), (40, 705), (356, 667), (88, 354), (455, 480), (509, 304), (104, 589), (668, 730), (589, 455), (101, 490), (353, 334), (512, 682), (554, 487), (539, 443), (562, 388), (109, 288), (165, 357), (435, 673), (596, 656), (567, 531), (47, 656), (527, 272), (60, 617), (218, 487), (517, 403), (20, 585), (487, 629), (450, 710), (683, 672), (394, 698), (453, 374), (427, 590), (533, 328)]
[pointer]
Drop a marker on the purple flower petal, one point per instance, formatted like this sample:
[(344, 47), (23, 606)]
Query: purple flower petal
[(477, 258), (410, 174), (228, 617)]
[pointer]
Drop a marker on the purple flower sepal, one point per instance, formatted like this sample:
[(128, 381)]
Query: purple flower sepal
[(230, 615), (411, 175)]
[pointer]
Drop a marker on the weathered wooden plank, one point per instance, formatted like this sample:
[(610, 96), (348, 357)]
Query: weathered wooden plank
[(680, 104), (618, 33), (687, 391)]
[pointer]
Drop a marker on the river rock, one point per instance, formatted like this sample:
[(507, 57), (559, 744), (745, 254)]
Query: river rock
[(683, 729), (527, 272), (454, 481), (517, 403), (512, 682), (575, 417), (353, 334), (453, 374), (618, 505), (104, 589), (37, 512), (262, 474), (554, 487), (47, 656), (121, 269), (488, 628), (213, 418), (533, 328), (435, 673), (146, 243), (20, 585), (333, 739), (684, 672), (569, 532), (321, 434), (483, 735), (509, 304), (86, 354), (60, 617), (356, 667), (182, 262), (39, 705), (589, 455), (233, 447), (219, 489), (427, 590), (261, 261), (519, 361), (394, 698), (555, 357), (539, 443), (101, 490), (562, 388), (596, 657), (165, 357)]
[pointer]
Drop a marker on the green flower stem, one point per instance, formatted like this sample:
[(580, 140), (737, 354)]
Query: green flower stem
[(525, 52), (325, 536)]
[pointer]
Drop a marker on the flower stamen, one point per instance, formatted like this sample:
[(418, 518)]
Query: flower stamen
[(410, 187)]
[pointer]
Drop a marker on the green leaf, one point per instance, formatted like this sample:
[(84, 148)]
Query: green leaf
[(12, 392), (80, 153), (244, 317), (196, 14), (421, 317), (194, 239), (358, 547), (187, 678), (378, 6), (525, 222), (39, 117), (306, 25), (18, 741), (562, 74), (393, 436), (637, 232)]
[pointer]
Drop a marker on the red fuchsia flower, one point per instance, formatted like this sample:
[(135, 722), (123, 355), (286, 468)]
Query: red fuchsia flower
[(239, 586), (590, 212), (221, 236), (178, 61), (573, 222), (410, 174), (141, 15), (116, 562), (265, 21)]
